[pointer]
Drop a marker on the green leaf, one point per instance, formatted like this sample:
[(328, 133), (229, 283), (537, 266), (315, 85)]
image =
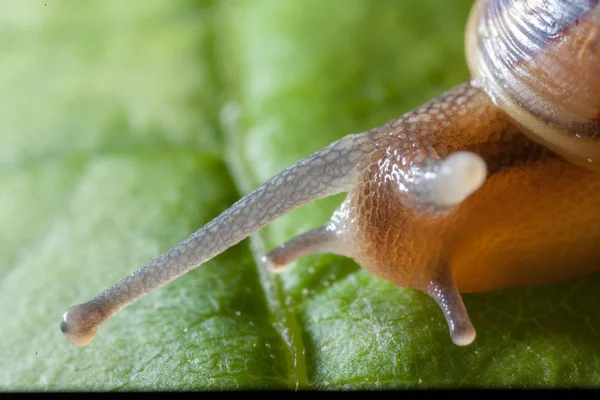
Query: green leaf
[(127, 126)]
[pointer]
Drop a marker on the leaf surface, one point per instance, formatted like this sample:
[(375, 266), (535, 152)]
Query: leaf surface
[(127, 127)]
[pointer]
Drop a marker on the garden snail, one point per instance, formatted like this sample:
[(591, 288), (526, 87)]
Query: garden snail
[(452, 197)]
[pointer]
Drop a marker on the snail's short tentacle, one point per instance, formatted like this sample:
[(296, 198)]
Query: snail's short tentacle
[(447, 296), (324, 239), (329, 171), (441, 185), (444, 184)]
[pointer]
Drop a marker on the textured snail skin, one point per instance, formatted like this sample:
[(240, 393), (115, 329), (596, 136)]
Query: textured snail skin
[(329, 171), (535, 219), (539, 61), (451, 197)]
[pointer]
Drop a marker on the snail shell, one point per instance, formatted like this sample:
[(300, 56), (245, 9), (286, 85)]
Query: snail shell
[(539, 61)]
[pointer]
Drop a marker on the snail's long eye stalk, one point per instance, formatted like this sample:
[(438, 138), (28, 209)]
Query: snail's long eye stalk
[(327, 172)]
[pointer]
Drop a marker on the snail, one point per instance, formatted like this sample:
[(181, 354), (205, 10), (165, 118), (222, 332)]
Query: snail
[(495, 183)]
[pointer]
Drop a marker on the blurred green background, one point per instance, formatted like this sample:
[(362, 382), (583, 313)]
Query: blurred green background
[(126, 126)]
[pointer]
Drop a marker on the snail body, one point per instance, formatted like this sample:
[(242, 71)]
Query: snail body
[(534, 215), (495, 183)]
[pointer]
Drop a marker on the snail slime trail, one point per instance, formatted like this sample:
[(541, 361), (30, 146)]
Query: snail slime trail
[(485, 187)]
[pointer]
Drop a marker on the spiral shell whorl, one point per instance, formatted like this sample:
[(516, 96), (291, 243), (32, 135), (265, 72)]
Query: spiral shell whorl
[(540, 62)]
